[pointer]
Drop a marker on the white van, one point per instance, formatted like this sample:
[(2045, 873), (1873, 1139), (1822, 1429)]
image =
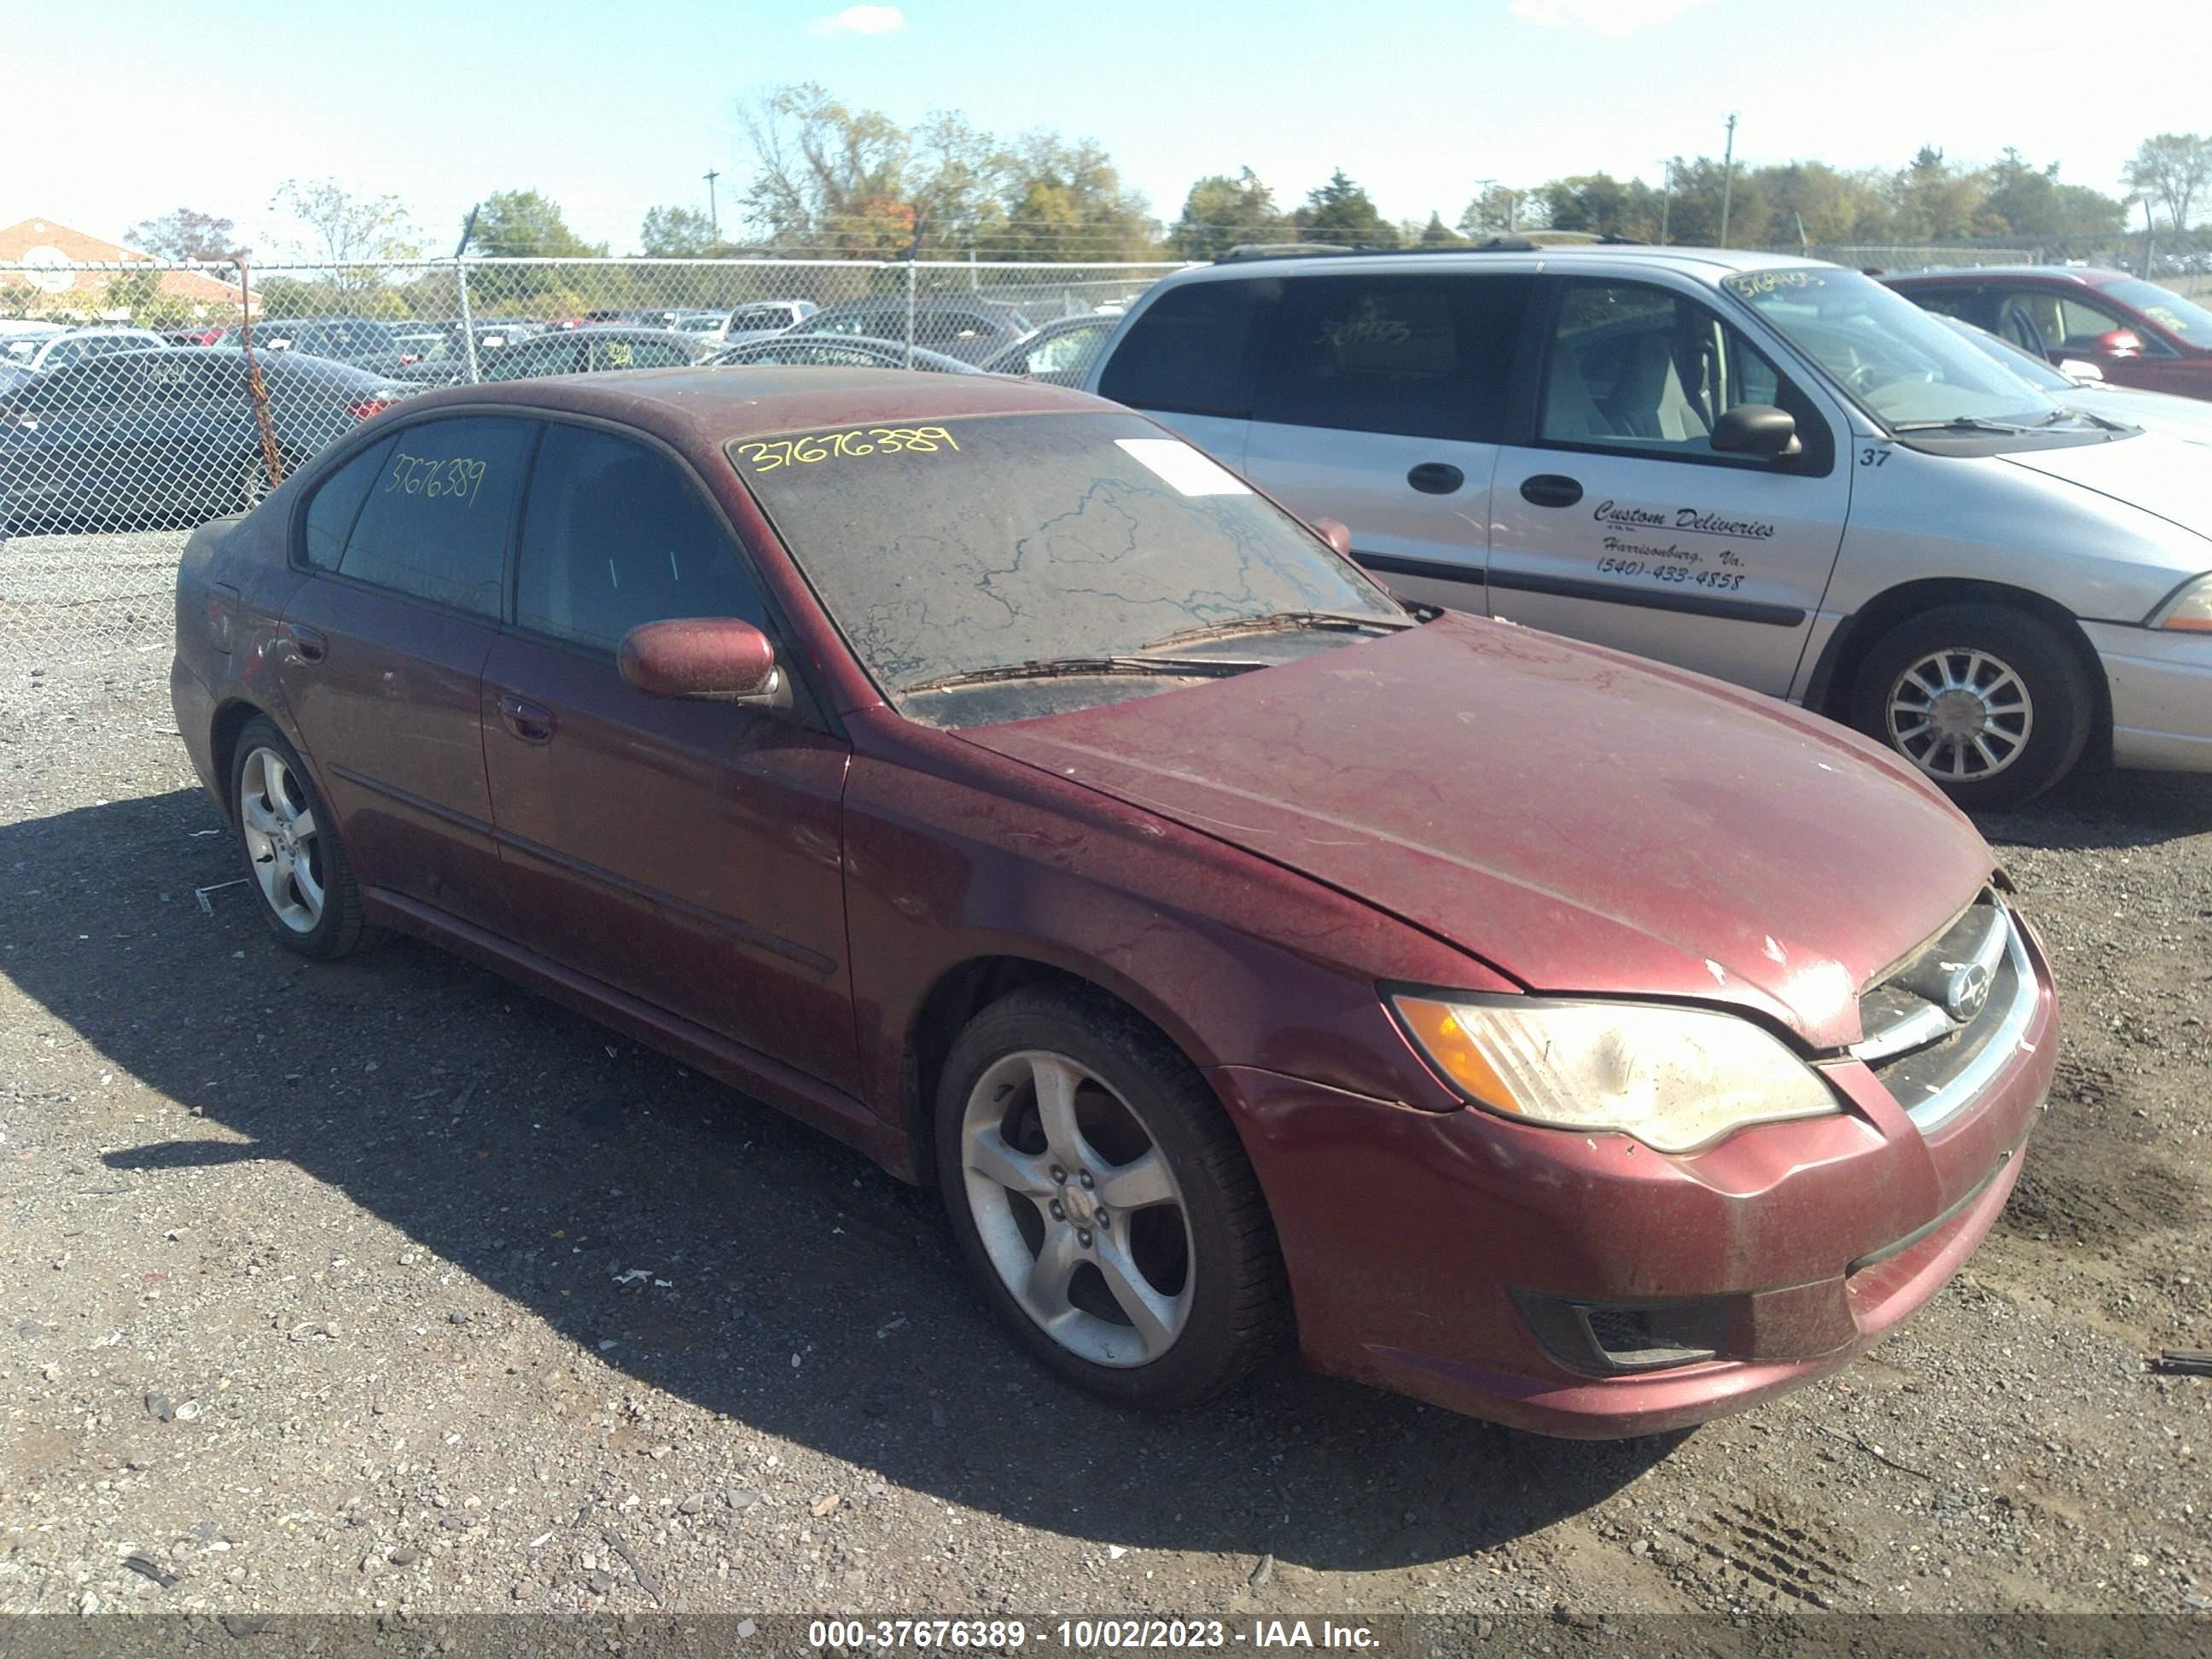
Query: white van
[(1771, 470)]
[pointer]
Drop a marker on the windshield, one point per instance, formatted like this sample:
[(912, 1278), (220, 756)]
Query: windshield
[(1898, 361), (2185, 318), (993, 541)]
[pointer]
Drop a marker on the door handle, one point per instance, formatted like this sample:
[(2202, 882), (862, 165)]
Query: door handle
[(1551, 490), (1435, 478), (526, 720), (306, 644)]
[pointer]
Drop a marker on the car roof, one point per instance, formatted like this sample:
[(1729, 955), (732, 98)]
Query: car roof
[(865, 342), (1706, 264), (737, 401), (2087, 275)]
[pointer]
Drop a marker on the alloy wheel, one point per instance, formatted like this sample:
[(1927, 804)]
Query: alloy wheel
[(283, 840), (1078, 1209), (1960, 714)]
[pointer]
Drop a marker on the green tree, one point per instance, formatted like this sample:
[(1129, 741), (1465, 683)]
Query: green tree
[(1833, 206), (1221, 212), (680, 233), (2173, 169), (519, 224), (2027, 201), (1502, 211), (1934, 201), (184, 234), (1340, 211), (343, 230), (827, 178), (1066, 201), (1437, 233)]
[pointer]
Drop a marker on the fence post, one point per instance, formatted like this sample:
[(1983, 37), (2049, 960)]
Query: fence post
[(909, 308), (468, 325)]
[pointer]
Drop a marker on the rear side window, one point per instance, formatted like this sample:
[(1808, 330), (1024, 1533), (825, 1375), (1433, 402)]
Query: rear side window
[(337, 503), (1190, 352), (1423, 356), (434, 525), (615, 535)]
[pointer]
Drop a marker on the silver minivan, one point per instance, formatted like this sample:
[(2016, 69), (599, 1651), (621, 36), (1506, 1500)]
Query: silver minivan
[(1767, 469)]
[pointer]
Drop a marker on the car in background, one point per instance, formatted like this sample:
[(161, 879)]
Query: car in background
[(2188, 418), (2136, 333), (214, 334), (78, 345), (1758, 466), (978, 772), (758, 318), (365, 341), (591, 350), (21, 338), (837, 351), (1059, 352), (165, 434), (972, 330)]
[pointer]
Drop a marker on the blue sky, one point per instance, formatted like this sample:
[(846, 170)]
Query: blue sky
[(612, 109)]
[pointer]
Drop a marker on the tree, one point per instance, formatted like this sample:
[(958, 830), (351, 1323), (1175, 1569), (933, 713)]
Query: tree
[(1501, 210), (2173, 169), (1934, 202), (827, 178), (182, 234), (523, 224), (680, 233), (1340, 211), (1221, 212), (1066, 201), (2027, 201), (1832, 206), (1437, 233), (346, 230)]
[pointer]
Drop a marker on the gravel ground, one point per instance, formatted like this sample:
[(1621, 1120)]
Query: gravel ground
[(383, 1285)]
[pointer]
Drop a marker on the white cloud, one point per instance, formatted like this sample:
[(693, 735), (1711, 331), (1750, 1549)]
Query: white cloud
[(1610, 18), (860, 20)]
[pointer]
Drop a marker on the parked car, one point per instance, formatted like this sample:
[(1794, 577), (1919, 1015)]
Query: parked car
[(20, 338), (838, 351), (588, 351), (984, 775), (1059, 352), (2135, 332), (366, 343), (165, 434), (79, 345), (759, 319), (2188, 418), (216, 334), (971, 330), (1764, 468)]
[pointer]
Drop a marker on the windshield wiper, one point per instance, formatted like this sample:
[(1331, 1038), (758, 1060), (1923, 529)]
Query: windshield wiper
[(1276, 621), (1962, 424), (1047, 668), (2084, 415)]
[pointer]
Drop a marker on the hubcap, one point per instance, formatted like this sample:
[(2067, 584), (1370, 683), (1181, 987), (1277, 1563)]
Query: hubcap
[(1078, 1212), (1960, 715), (281, 840)]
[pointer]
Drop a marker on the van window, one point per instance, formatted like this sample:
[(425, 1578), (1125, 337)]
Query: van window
[(434, 525), (1191, 351), (1425, 356), (615, 535)]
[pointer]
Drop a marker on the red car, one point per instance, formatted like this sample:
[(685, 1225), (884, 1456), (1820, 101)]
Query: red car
[(975, 770), (2134, 333)]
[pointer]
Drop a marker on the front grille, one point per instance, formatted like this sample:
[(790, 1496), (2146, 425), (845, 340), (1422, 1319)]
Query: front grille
[(1604, 1339), (1938, 1025)]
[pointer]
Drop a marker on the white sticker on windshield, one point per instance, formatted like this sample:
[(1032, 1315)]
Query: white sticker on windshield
[(1182, 468)]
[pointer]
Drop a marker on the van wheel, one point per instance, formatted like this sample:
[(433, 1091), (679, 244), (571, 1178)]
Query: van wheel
[(1988, 702), (1104, 1202)]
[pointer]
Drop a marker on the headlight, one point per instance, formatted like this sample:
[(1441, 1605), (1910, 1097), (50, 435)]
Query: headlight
[(2188, 610), (1675, 1079)]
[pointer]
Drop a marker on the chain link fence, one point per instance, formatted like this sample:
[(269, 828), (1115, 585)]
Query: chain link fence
[(129, 412)]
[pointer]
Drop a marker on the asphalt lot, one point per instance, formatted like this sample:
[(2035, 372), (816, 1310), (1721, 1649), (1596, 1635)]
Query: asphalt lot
[(383, 1286)]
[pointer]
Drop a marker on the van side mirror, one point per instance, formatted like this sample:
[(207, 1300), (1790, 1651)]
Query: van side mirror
[(717, 658), (1759, 430), (1336, 533)]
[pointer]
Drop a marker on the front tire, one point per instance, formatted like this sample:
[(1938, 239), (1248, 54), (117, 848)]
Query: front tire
[(1990, 704), (296, 865), (1104, 1202)]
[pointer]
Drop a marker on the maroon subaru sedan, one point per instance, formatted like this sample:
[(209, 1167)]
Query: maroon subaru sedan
[(977, 771)]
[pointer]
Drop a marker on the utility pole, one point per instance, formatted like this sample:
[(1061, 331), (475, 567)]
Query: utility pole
[(1728, 178), (713, 213), (1484, 186), (1667, 200)]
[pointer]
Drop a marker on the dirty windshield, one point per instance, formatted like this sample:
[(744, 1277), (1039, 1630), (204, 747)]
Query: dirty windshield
[(947, 551)]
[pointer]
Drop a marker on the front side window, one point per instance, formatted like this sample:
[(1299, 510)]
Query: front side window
[(2169, 310), (2079, 325), (615, 535), (1191, 351), (1633, 367), (946, 549), (434, 525), (1422, 356)]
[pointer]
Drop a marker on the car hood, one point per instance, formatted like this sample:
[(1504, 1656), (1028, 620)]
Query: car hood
[(2162, 473), (2189, 419), (1579, 820)]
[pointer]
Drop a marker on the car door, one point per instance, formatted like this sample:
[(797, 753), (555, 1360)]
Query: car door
[(380, 654), (1615, 521), (57, 458), (1381, 400), (687, 853), (1189, 358), (2073, 327)]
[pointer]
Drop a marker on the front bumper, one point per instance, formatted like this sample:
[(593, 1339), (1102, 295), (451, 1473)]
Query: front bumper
[(1416, 1241), (2162, 689)]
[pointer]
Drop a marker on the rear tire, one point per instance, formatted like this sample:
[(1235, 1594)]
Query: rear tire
[(1104, 1203), (295, 865), (1989, 703)]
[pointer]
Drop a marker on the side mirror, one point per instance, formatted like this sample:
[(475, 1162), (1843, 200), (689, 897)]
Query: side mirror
[(2120, 342), (1336, 533), (1758, 430), (2081, 371), (719, 658)]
